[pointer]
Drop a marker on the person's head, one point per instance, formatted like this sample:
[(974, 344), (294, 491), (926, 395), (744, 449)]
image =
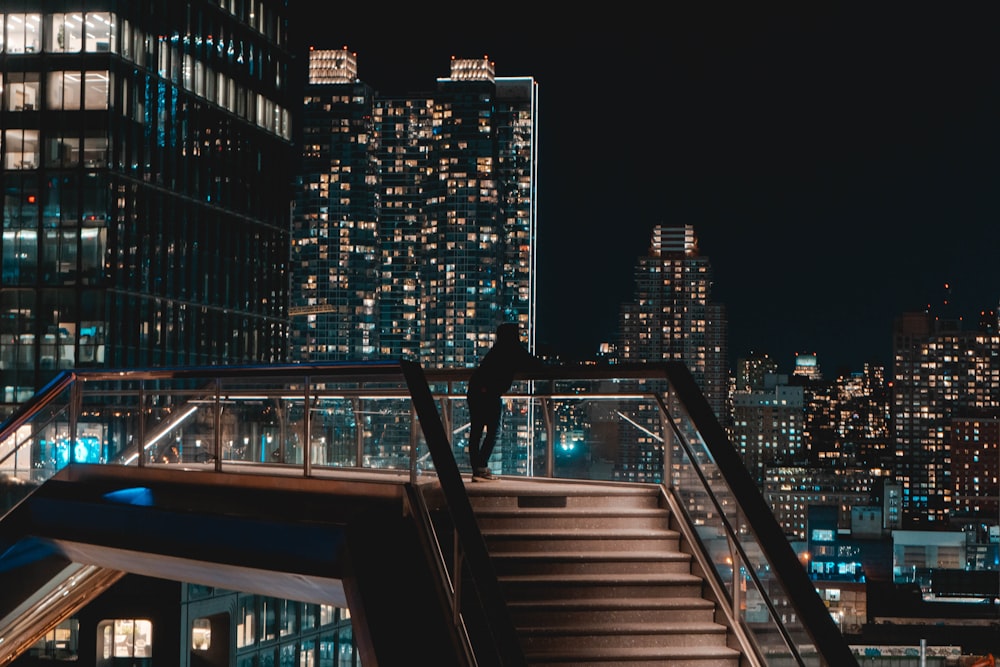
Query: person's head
[(508, 332)]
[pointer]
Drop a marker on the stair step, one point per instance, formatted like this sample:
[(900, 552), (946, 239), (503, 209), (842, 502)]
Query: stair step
[(586, 518), (577, 540), (569, 562), (602, 586), (648, 656), (569, 612), (484, 496), (600, 634)]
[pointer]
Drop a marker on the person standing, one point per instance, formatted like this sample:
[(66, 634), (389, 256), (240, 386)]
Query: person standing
[(488, 383)]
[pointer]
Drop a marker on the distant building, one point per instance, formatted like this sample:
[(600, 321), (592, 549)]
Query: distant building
[(792, 490), (975, 467), (841, 563), (807, 366), (767, 425), (672, 316), (914, 550), (847, 420), (940, 372), (751, 370), (414, 233)]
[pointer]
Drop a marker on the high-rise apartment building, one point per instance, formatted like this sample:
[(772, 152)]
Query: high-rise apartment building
[(672, 316), (940, 372), (415, 222), (143, 160)]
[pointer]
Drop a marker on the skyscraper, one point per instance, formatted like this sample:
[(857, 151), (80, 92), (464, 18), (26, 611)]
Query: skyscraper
[(143, 162), (673, 317), (415, 222)]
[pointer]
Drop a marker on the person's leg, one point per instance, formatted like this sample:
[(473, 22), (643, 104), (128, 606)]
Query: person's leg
[(476, 429), (492, 422), (478, 408)]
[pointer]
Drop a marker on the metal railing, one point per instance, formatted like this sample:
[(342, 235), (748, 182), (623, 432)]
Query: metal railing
[(646, 423)]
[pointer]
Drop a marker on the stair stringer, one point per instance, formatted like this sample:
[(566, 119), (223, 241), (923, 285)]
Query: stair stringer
[(740, 636)]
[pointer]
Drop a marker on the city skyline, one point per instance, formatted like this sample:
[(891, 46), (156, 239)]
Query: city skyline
[(837, 166)]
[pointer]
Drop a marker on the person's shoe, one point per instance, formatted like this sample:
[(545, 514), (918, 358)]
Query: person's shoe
[(484, 476)]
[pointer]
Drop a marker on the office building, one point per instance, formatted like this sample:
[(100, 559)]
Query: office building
[(143, 162), (144, 158), (415, 220)]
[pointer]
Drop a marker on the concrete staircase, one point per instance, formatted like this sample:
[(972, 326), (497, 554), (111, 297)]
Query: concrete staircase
[(594, 576)]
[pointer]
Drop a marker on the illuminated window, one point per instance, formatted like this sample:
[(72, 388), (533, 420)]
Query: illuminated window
[(201, 634), (124, 638), (23, 33), (245, 623)]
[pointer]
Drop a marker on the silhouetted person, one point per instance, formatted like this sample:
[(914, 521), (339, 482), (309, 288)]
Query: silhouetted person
[(488, 383)]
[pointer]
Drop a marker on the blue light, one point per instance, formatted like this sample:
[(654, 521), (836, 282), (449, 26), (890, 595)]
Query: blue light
[(140, 496)]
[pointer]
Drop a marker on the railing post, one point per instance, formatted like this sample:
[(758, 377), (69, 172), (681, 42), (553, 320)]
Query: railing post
[(75, 401), (359, 433), (140, 445), (307, 430), (548, 409), (668, 442), (737, 576), (217, 424), (413, 444)]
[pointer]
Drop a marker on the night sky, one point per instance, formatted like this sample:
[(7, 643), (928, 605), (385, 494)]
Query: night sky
[(839, 166)]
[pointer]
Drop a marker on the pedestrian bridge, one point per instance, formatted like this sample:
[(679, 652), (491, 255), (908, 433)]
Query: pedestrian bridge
[(178, 473)]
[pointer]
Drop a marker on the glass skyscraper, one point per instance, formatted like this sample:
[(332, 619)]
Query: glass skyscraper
[(143, 162), (414, 232)]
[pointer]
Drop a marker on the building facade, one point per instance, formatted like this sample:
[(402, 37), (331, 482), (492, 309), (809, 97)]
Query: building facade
[(145, 153), (767, 425), (940, 372), (672, 316), (143, 156), (974, 443), (415, 218)]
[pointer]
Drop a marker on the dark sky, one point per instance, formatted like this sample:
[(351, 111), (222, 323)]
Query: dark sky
[(839, 166)]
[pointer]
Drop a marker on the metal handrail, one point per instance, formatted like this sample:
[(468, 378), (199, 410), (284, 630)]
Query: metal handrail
[(307, 386)]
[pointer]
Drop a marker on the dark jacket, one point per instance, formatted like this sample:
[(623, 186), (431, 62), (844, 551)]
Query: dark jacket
[(495, 373)]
